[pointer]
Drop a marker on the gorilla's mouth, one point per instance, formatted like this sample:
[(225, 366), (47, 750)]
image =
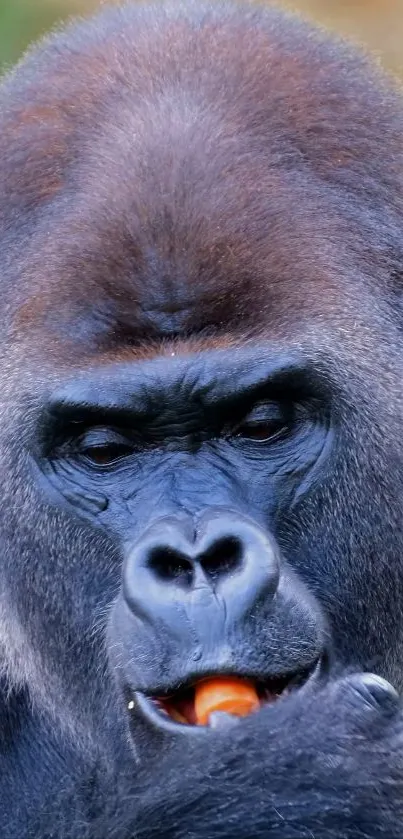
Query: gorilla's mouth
[(212, 701)]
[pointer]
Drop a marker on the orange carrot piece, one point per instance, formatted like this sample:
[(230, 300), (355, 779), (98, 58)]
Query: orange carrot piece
[(224, 694)]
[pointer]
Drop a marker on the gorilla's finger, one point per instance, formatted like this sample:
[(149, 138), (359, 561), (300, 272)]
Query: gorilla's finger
[(367, 689)]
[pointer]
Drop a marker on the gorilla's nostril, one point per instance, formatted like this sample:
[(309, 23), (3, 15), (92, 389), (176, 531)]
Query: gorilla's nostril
[(170, 565), (222, 557)]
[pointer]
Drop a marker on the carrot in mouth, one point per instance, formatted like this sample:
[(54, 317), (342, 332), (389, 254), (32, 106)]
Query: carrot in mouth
[(229, 695)]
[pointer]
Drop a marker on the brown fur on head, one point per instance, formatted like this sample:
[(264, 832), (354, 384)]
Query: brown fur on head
[(200, 180)]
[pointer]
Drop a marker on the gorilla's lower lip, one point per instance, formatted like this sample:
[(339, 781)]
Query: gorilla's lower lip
[(173, 710)]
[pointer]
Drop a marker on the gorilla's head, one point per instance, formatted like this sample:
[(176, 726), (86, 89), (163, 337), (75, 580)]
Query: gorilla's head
[(201, 224)]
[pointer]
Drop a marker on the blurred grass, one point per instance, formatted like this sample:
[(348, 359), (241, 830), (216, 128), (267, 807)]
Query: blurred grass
[(377, 23), (21, 22)]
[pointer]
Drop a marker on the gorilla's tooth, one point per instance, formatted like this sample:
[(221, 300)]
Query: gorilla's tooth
[(220, 719)]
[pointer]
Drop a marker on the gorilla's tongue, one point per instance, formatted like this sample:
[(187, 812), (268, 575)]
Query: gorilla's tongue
[(227, 695)]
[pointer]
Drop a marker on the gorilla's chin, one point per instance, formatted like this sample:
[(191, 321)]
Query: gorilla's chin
[(175, 711)]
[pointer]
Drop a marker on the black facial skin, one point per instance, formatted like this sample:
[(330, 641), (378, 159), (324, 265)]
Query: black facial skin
[(153, 454), (201, 221)]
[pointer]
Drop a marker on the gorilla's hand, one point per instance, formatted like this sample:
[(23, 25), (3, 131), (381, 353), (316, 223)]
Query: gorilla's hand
[(327, 765)]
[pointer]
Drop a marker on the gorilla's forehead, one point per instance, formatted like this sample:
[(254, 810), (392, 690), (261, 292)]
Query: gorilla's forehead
[(187, 177), (137, 266), (177, 234)]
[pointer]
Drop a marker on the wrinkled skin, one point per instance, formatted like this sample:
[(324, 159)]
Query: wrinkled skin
[(201, 449)]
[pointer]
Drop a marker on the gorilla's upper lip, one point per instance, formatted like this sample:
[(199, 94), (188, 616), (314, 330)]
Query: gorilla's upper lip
[(172, 709)]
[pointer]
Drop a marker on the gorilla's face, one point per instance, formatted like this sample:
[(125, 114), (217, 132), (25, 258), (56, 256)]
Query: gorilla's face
[(201, 429), (214, 478), (193, 462)]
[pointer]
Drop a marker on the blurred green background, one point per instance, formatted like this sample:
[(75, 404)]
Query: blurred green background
[(376, 23)]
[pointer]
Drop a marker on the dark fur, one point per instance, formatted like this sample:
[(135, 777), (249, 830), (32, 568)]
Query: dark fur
[(201, 180)]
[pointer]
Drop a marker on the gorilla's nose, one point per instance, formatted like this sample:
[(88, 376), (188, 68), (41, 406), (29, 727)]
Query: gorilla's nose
[(227, 563)]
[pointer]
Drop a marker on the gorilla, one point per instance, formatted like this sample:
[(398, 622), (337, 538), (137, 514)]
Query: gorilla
[(201, 223)]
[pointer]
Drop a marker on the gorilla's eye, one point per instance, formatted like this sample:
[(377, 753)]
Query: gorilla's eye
[(103, 447), (104, 455), (266, 422), (261, 432)]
